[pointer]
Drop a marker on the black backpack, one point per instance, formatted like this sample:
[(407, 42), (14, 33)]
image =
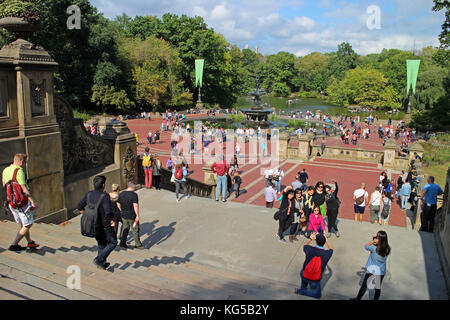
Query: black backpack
[(89, 218)]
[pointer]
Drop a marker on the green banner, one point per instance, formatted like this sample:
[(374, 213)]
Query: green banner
[(199, 63), (412, 70)]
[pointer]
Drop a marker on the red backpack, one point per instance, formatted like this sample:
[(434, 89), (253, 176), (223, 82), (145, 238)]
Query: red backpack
[(313, 270), (17, 199), (178, 174)]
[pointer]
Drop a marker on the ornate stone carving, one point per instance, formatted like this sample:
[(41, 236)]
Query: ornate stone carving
[(129, 165), (81, 151), (37, 92)]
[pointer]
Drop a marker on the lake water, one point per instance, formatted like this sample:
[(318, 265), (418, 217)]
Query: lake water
[(300, 104)]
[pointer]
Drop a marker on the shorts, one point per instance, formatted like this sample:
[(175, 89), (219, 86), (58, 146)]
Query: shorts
[(359, 209), (25, 219)]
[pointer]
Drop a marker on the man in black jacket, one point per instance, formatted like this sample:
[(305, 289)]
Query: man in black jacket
[(104, 229)]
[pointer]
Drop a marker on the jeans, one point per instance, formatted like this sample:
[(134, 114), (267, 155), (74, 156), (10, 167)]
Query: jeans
[(221, 184), (106, 242), (126, 225), (427, 217), (314, 291), (177, 188), (278, 185), (404, 202)]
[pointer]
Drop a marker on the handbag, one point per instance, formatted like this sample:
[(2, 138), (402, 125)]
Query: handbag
[(277, 214)]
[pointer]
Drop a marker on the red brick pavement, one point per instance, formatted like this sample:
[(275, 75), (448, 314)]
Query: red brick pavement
[(349, 174)]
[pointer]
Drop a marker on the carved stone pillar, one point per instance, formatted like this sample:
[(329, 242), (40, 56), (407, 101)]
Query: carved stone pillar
[(125, 151), (390, 148), (283, 145), (304, 146), (28, 124), (210, 178)]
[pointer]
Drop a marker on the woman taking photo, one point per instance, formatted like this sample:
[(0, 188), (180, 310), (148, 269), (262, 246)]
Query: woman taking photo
[(376, 264)]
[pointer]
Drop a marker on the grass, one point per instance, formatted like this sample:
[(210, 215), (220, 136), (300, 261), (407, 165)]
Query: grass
[(82, 115), (436, 158)]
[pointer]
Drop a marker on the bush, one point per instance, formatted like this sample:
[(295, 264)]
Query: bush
[(82, 115)]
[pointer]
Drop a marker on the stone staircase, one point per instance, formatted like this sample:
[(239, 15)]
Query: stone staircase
[(133, 274)]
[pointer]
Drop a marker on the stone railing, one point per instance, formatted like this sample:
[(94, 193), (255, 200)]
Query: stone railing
[(196, 188), (337, 152)]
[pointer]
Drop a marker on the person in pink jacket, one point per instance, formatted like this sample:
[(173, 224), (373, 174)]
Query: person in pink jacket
[(316, 223)]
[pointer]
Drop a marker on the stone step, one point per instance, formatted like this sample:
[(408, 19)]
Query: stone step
[(56, 290), (212, 279), (164, 275), (124, 286)]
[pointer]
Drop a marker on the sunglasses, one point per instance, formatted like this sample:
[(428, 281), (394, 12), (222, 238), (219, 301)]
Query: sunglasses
[(321, 187)]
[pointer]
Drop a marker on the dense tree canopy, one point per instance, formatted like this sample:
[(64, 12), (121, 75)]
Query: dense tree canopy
[(148, 63)]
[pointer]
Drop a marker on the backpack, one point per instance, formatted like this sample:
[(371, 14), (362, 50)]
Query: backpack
[(385, 211), (17, 199), (178, 174), (147, 161), (89, 218), (313, 270)]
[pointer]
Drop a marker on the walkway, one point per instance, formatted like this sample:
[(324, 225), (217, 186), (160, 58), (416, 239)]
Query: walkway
[(199, 249)]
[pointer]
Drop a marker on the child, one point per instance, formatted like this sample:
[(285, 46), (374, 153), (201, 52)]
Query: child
[(169, 164)]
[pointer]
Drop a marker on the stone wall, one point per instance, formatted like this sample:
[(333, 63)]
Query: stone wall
[(335, 152), (442, 231), (196, 188)]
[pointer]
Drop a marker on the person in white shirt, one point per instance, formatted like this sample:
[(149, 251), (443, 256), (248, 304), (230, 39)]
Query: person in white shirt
[(360, 198), (375, 205), (238, 150), (268, 174)]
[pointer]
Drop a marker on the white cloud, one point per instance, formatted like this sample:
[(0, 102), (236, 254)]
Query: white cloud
[(266, 24)]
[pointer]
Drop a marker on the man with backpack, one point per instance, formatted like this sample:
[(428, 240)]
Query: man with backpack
[(316, 260), (97, 204), (20, 202)]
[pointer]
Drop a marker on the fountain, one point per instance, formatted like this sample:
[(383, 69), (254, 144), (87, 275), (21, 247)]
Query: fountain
[(257, 113)]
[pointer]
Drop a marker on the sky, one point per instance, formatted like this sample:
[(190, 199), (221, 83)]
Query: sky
[(302, 26)]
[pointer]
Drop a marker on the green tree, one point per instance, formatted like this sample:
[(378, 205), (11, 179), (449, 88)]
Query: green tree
[(444, 37), (310, 70), (107, 98), (156, 72), (341, 61), (365, 87), (281, 74)]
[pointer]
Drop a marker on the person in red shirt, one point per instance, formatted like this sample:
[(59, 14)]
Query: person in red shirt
[(220, 168)]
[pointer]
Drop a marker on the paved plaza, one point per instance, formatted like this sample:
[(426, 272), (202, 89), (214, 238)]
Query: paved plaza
[(200, 249)]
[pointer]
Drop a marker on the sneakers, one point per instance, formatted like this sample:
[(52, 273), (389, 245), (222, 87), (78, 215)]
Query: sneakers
[(282, 240), (338, 234), (99, 265), (16, 248), (329, 235), (32, 245), (123, 246), (139, 247)]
